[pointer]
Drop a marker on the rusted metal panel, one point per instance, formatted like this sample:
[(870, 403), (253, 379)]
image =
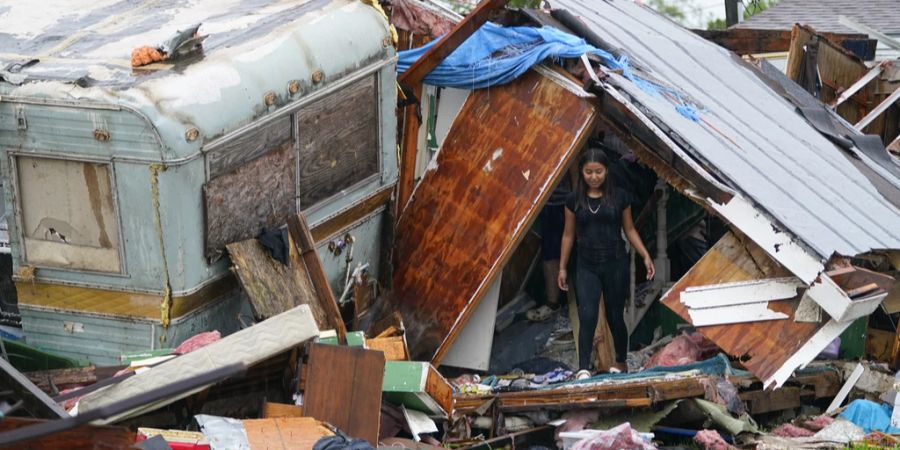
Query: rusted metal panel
[(257, 194), (763, 347), (338, 142), (503, 154)]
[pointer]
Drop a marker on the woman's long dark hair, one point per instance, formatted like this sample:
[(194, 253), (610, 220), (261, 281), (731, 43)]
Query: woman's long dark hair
[(595, 155)]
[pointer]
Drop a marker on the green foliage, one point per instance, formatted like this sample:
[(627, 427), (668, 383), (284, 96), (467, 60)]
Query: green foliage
[(757, 6), (671, 10), (524, 4), (716, 24)]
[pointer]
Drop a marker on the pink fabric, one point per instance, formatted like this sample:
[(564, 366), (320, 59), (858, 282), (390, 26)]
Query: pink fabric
[(198, 341), (791, 431), (684, 349), (408, 16), (712, 440), (818, 423), (622, 437), (576, 421)]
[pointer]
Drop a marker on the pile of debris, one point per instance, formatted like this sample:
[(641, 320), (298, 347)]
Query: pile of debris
[(770, 318)]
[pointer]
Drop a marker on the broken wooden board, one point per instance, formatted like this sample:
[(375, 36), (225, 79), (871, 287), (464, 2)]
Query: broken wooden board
[(747, 41), (504, 153), (837, 69), (635, 393), (764, 347), (418, 385), (343, 388), (272, 287), (34, 400), (393, 347), (285, 433)]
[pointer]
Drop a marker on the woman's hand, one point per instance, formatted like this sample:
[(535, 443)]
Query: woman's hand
[(648, 263), (562, 280)]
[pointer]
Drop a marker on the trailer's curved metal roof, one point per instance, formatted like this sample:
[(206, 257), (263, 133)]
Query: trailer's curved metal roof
[(748, 135), (254, 47)]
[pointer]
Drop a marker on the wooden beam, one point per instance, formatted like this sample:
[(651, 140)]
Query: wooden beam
[(859, 84), (879, 110), (303, 239), (412, 79), (745, 41)]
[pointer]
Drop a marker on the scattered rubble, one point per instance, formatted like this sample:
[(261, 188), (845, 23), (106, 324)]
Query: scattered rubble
[(380, 324)]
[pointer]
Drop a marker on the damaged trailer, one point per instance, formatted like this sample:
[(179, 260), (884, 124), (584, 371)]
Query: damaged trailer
[(124, 184), (799, 201)]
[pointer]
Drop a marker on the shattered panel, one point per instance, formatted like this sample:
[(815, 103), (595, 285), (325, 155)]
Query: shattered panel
[(763, 347), (504, 152), (258, 194)]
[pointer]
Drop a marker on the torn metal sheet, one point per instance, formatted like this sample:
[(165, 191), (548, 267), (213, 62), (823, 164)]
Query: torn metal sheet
[(473, 206), (746, 134)]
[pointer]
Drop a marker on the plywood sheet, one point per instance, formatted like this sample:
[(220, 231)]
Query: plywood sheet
[(499, 162), (288, 433), (343, 388), (257, 194), (338, 141), (763, 347)]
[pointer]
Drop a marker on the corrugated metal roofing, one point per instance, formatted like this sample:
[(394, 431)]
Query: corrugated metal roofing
[(748, 135), (824, 15)]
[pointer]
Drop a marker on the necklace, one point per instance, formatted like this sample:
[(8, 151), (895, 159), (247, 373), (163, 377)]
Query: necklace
[(592, 210)]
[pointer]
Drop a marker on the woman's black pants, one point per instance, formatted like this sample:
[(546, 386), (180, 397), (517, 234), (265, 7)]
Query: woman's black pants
[(609, 279)]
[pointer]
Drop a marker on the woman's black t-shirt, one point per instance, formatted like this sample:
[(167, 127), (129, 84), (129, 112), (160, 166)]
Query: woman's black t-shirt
[(598, 227)]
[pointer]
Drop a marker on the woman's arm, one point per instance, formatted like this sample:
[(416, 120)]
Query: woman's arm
[(568, 238), (635, 239)]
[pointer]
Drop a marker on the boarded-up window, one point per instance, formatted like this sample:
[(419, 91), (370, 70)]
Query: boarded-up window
[(258, 193), (338, 142), (68, 214)]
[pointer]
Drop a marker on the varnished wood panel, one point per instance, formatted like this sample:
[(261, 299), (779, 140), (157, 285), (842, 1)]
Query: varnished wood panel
[(343, 388), (338, 142), (87, 437), (500, 160), (248, 146), (259, 193), (763, 347)]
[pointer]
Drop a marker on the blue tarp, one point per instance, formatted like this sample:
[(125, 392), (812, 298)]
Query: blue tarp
[(495, 55), (869, 416)]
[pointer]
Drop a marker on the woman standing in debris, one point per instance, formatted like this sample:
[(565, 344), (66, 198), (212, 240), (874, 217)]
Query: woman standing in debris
[(596, 214)]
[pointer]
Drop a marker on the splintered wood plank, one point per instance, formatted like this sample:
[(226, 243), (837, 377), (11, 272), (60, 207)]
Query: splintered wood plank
[(763, 347), (343, 388), (272, 287), (303, 241), (500, 161), (285, 433), (393, 347)]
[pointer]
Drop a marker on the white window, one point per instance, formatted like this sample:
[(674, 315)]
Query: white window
[(68, 214)]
